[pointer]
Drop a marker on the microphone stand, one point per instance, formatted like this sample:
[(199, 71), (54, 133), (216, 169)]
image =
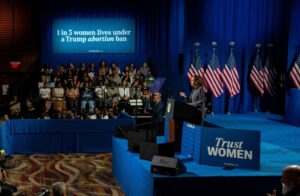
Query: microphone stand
[(151, 139), (104, 101), (136, 106)]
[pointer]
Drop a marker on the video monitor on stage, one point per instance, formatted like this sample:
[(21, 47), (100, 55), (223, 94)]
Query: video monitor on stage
[(93, 35)]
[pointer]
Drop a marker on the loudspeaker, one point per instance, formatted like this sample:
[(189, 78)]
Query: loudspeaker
[(134, 139), (122, 131), (148, 149), (180, 63), (167, 166)]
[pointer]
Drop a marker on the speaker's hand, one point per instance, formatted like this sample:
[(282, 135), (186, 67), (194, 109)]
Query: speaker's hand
[(182, 94)]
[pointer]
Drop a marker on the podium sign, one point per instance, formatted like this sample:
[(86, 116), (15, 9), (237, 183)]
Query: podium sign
[(176, 113), (188, 139), (222, 147)]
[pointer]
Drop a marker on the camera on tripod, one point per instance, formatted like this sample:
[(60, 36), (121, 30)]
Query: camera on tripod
[(6, 189)]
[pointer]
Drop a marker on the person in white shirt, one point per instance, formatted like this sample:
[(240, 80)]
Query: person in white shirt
[(45, 92), (101, 95), (124, 93), (15, 107)]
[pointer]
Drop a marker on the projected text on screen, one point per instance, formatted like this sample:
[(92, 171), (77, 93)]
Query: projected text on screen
[(93, 35)]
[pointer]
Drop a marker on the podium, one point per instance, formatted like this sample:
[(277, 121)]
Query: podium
[(176, 113)]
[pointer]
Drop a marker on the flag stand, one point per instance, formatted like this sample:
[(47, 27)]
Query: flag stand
[(230, 77), (256, 108), (257, 78), (228, 111), (212, 75)]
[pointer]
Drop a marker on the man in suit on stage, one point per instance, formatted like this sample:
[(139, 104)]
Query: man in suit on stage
[(157, 116)]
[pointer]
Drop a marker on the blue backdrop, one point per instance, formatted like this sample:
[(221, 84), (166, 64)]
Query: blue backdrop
[(167, 30)]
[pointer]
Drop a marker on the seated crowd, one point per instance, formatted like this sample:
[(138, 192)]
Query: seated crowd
[(86, 92)]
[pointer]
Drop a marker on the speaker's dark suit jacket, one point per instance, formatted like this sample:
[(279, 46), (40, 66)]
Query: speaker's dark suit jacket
[(157, 116)]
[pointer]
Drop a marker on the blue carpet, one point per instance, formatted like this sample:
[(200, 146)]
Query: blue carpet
[(280, 142), (280, 146)]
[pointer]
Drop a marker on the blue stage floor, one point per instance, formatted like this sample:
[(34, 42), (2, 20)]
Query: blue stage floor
[(280, 146), (280, 142)]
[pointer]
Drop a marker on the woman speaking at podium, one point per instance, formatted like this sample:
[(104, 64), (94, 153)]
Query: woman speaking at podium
[(197, 96)]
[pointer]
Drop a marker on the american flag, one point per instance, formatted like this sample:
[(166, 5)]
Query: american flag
[(295, 73), (270, 75), (196, 69), (230, 75), (257, 73), (212, 75)]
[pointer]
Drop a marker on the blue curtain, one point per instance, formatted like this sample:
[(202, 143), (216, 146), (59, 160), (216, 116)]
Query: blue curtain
[(294, 31), (166, 31), (246, 23), (152, 30), (293, 42), (159, 34)]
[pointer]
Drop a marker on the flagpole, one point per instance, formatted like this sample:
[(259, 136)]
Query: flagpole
[(230, 62), (214, 44), (208, 93), (256, 96)]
